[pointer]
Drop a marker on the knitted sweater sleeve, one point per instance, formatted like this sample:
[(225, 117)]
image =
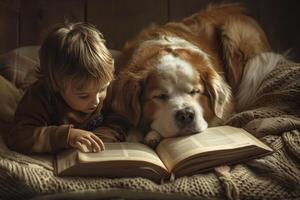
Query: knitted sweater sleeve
[(33, 130)]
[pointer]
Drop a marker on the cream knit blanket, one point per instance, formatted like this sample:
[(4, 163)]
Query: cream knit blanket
[(273, 117)]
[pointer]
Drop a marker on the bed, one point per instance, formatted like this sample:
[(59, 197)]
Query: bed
[(276, 176)]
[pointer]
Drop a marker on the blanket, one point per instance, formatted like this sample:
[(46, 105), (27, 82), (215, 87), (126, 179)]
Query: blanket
[(274, 117)]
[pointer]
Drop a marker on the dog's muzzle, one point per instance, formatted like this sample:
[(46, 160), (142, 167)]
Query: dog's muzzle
[(184, 117)]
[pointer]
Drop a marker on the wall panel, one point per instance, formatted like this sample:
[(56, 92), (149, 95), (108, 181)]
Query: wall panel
[(282, 24), (180, 9), (37, 16), (9, 25), (25, 22), (120, 20)]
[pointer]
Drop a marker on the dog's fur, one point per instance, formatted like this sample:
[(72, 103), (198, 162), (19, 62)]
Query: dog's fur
[(179, 78)]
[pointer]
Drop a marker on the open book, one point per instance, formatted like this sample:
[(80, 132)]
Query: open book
[(180, 156)]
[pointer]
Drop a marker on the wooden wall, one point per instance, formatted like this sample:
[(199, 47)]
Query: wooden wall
[(25, 22), (9, 25)]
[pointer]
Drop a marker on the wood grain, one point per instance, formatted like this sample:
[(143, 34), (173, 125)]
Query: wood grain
[(37, 16), (25, 22), (120, 20), (9, 25)]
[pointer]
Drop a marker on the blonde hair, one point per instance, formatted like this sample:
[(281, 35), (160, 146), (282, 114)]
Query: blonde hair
[(75, 51)]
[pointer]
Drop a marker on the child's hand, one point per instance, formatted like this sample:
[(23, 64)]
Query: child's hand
[(85, 141)]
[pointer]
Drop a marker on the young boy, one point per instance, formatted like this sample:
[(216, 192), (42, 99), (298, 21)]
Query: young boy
[(62, 108)]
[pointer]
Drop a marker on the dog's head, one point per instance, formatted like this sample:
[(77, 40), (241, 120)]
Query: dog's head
[(173, 76), (174, 91)]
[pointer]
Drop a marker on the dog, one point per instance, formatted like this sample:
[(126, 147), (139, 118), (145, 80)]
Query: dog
[(182, 77)]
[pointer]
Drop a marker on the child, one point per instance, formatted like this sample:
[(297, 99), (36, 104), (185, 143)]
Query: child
[(63, 106)]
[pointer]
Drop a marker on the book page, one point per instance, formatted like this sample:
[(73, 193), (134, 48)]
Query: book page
[(123, 151), (117, 160), (174, 150)]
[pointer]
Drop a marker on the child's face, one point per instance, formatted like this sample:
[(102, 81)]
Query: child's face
[(84, 99)]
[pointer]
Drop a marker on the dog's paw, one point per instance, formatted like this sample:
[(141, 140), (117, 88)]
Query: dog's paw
[(152, 139)]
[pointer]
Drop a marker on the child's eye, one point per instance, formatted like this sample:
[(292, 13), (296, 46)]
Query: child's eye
[(83, 97)]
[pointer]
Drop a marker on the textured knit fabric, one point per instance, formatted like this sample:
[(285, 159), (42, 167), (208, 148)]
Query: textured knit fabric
[(273, 117)]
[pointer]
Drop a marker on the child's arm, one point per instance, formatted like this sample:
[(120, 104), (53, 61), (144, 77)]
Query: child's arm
[(107, 134), (33, 130), (114, 127)]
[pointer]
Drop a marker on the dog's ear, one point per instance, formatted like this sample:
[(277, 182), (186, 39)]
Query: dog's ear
[(241, 39), (219, 93), (126, 102)]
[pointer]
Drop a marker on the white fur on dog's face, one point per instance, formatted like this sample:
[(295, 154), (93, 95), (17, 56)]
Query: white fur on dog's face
[(172, 98)]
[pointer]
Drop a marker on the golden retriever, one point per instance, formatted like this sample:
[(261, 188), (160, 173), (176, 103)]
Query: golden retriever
[(182, 77)]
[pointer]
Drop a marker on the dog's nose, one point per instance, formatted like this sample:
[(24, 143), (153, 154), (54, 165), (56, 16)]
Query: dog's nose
[(185, 116)]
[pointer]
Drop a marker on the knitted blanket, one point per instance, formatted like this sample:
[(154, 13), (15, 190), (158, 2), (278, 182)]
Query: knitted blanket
[(273, 117)]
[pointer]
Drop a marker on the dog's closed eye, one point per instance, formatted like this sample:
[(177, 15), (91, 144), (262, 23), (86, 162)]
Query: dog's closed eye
[(195, 92), (162, 97)]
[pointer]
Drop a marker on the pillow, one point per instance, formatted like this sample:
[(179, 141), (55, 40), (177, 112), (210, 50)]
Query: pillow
[(17, 72), (19, 66), (9, 98)]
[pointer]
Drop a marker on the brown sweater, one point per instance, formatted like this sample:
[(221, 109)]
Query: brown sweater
[(43, 121)]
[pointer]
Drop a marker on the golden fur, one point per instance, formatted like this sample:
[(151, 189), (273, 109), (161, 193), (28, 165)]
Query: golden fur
[(166, 69)]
